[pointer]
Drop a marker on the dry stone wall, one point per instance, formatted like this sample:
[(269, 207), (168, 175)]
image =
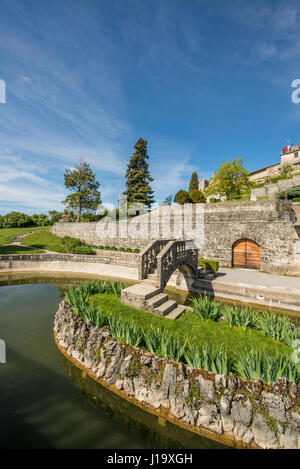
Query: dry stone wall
[(270, 190), (247, 413)]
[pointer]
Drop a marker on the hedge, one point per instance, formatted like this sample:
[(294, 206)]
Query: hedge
[(209, 264)]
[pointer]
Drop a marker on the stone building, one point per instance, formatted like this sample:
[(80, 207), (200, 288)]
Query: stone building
[(289, 155)]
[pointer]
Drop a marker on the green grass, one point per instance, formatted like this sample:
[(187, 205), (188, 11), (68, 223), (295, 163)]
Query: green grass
[(190, 327), (18, 250), (7, 235), (43, 239)]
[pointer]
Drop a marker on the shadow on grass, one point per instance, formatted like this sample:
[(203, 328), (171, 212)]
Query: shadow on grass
[(14, 249)]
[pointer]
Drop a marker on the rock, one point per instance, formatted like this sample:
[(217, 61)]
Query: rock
[(145, 360), (220, 381), (128, 386), (232, 382), (227, 422), (247, 437), (120, 384), (169, 380), (207, 389), (113, 368), (242, 413), (263, 435), (290, 439), (125, 365), (208, 418), (225, 402), (240, 430), (274, 405)]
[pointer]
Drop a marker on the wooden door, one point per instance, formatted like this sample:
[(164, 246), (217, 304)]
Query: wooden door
[(246, 254)]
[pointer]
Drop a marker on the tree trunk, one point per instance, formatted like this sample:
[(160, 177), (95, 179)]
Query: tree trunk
[(78, 211)]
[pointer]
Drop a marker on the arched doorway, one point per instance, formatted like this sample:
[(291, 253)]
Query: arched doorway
[(246, 254)]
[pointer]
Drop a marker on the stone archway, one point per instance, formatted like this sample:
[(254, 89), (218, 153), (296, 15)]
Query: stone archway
[(246, 254)]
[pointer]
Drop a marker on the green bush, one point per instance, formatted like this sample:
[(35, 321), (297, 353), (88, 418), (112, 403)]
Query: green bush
[(197, 196), (292, 193), (122, 249), (209, 264), (214, 201), (70, 243), (182, 197), (136, 251), (83, 250), (128, 250), (296, 199)]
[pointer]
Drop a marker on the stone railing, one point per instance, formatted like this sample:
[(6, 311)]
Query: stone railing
[(174, 255), (149, 257)]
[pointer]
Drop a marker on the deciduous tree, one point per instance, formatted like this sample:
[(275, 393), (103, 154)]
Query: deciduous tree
[(230, 178), (85, 196)]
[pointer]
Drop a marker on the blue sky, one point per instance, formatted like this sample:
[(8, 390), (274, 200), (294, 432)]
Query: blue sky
[(200, 80)]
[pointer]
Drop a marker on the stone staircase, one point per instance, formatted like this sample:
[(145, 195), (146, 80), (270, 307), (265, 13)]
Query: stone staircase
[(148, 297)]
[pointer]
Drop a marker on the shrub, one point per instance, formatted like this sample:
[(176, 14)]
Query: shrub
[(83, 250), (182, 197), (214, 201), (209, 265), (122, 249), (100, 247), (197, 196), (128, 250), (136, 251), (206, 308), (296, 199), (292, 193), (16, 220), (71, 243)]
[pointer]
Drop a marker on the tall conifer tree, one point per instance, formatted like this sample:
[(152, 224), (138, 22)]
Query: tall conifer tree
[(193, 186), (138, 177)]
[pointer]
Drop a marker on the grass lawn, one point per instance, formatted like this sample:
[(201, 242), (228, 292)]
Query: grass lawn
[(19, 250), (44, 240), (191, 327), (7, 235)]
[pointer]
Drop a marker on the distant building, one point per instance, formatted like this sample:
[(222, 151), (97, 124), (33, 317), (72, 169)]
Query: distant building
[(289, 155), (202, 184)]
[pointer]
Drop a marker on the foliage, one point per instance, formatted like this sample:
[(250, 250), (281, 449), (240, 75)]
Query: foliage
[(206, 308), (239, 316), (291, 193), (182, 197), (87, 250), (286, 170), (205, 358), (197, 197), (209, 264), (168, 339), (138, 179), (258, 365), (274, 325), (18, 220), (194, 182), (230, 178), (82, 181), (213, 200)]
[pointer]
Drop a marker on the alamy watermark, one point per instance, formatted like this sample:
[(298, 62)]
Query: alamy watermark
[(295, 97), (2, 92), (2, 351), (171, 222)]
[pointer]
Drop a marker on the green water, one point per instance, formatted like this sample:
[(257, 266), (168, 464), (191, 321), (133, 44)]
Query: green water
[(46, 402)]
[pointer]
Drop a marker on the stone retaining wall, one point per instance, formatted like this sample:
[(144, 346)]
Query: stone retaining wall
[(108, 263), (245, 413), (270, 190), (214, 227)]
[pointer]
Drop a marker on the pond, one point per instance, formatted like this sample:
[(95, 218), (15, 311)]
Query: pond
[(46, 402)]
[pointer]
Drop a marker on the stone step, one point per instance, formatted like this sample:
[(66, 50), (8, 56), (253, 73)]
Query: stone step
[(158, 300), (143, 289), (176, 313), (166, 308)]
